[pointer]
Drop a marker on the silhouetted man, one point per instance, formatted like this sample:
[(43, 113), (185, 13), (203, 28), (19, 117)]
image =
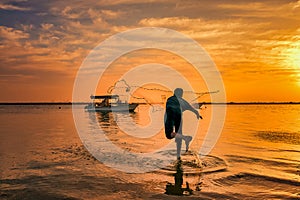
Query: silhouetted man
[(173, 119)]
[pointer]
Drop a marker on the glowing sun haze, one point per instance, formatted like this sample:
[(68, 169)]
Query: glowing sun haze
[(255, 44)]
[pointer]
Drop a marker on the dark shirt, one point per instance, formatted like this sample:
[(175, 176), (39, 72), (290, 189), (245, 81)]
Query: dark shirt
[(177, 103)]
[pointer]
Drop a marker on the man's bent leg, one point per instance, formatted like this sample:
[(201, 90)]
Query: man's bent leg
[(187, 140)]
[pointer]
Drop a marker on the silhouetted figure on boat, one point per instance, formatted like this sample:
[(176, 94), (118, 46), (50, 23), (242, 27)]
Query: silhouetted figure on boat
[(173, 119)]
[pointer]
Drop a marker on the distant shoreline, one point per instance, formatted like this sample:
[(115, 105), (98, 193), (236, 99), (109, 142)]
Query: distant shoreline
[(250, 103), (42, 103), (200, 103)]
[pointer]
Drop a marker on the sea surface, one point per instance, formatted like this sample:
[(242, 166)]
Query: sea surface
[(45, 154)]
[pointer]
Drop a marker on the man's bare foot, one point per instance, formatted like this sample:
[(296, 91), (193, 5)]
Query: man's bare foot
[(173, 134), (187, 140)]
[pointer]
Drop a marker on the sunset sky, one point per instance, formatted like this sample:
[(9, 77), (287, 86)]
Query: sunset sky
[(254, 44)]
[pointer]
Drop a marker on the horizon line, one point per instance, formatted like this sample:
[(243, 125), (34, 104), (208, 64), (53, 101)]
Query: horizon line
[(205, 103)]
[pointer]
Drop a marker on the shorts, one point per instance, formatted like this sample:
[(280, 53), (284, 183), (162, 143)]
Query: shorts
[(172, 119)]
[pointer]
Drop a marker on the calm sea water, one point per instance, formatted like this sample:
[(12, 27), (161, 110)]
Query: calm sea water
[(258, 153)]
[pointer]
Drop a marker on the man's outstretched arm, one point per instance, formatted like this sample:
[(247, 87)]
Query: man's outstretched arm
[(186, 106)]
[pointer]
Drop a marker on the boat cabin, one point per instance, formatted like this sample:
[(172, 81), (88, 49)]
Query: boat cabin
[(109, 103), (105, 100)]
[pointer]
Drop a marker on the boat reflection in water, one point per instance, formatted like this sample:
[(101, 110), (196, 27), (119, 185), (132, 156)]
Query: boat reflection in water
[(108, 103)]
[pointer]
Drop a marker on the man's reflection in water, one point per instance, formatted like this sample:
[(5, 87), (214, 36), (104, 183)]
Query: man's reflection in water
[(177, 188)]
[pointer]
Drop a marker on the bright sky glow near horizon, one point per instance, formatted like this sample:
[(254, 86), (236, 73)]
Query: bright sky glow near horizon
[(254, 44)]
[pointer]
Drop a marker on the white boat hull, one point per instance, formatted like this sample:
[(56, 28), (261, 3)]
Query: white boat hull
[(113, 108)]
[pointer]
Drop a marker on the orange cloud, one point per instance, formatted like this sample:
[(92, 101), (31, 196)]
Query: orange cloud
[(12, 7)]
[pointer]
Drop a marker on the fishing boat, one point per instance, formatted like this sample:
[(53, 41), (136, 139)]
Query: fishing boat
[(109, 103)]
